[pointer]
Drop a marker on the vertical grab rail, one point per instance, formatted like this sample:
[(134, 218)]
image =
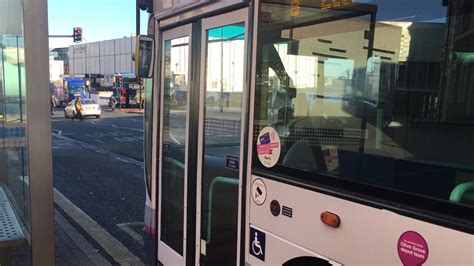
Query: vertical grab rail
[(175, 162), (218, 179)]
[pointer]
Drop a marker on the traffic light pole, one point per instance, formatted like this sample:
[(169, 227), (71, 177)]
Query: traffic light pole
[(137, 24), (61, 36), (76, 36), (140, 89), (137, 17)]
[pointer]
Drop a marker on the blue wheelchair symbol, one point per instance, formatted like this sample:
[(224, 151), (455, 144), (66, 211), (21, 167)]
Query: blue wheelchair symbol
[(257, 243)]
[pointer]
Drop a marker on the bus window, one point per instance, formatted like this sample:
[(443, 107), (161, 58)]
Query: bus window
[(378, 93)]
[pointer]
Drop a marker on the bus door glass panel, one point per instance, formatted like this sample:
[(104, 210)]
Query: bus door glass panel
[(224, 85), (375, 92), (174, 140)]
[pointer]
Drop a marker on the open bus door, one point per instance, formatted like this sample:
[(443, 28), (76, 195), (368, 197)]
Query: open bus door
[(199, 168)]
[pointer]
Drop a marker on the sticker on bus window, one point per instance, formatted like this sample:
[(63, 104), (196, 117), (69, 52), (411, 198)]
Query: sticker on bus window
[(268, 147), (330, 157), (232, 162), (412, 249)]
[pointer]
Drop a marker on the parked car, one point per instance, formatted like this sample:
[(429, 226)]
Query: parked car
[(90, 108)]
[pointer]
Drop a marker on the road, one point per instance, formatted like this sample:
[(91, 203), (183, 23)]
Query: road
[(98, 168)]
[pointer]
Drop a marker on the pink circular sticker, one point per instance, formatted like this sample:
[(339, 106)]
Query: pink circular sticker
[(412, 249), (268, 147)]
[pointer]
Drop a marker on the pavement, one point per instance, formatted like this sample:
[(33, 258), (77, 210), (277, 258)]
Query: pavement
[(70, 246), (130, 110)]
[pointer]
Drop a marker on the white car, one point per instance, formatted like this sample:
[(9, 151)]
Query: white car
[(89, 108)]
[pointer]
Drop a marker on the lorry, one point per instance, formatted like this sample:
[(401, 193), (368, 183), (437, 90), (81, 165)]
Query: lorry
[(75, 87)]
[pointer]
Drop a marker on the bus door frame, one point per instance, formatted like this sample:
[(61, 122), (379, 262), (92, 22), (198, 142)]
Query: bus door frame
[(229, 18), (169, 34)]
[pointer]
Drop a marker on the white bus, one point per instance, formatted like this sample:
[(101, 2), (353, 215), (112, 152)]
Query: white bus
[(319, 132)]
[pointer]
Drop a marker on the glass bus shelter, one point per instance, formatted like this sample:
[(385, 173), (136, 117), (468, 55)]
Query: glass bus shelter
[(26, 199)]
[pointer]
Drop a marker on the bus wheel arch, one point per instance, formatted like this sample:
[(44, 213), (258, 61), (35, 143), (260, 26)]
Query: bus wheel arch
[(307, 261)]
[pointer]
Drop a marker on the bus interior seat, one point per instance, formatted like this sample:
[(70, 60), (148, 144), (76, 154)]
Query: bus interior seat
[(424, 178), (365, 167), (303, 155), (377, 169), (384, 170)]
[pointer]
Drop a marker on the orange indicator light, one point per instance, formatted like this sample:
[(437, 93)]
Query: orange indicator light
[(331, 219)]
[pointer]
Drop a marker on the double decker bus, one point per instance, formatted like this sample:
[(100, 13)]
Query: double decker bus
[(319, 132)]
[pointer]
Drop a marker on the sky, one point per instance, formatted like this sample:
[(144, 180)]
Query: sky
[(99, 19)]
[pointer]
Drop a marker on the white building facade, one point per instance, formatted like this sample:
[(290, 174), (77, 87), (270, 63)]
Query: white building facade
[(108, 57), (56, 69)]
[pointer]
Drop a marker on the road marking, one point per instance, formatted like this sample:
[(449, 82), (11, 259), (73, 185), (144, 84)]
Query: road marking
[(111, 245), (100, 141), (60, 132), (115, 126), (120, 159), (100, 150), (126, 227)]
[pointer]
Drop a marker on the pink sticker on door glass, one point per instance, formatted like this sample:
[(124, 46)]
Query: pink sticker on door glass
[(412, 249)]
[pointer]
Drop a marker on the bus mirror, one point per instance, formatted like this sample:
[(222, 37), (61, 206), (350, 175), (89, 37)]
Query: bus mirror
[(144, 56)]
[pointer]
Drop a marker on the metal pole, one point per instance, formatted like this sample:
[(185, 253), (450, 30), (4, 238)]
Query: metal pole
[(137, 17), (221, 102), (140, 88), (60, 36)]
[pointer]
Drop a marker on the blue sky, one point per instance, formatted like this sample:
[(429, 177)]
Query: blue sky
[(99, 19)]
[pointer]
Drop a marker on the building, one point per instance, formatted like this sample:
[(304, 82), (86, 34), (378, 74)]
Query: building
[(106, 58), (56, 69), (63, 55)]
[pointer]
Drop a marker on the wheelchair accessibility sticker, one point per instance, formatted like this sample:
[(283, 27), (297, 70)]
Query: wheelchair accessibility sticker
[(257, 243)]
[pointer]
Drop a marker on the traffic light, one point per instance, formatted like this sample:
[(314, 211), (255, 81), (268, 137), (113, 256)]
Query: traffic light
[(119, 81), (146, 5), (77, 34)]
